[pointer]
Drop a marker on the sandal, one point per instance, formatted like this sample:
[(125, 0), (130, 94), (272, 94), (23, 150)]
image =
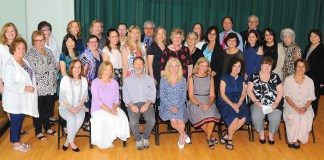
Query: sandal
[(86, 128), (211, 144), (22, 148), (25, 145), (213, 139), (23, 133), (223, 140), (51, 132), (228, 145), (41, 137)]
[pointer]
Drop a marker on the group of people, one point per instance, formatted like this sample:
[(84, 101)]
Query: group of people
[(203, 78)]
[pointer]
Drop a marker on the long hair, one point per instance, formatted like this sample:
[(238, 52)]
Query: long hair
[(64, 47), (131, 29), (258, 41), (108, 41), (155, 34), (3, 38), (167, 74), (202, 36), (69, 26)]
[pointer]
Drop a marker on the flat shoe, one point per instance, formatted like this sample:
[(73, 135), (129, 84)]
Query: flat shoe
[(22, 148), (271, 142), (262, 141), (181, 146), (53, 133), (41, 137)]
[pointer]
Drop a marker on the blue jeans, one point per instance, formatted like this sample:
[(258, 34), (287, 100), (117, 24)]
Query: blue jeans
[(16, 121)]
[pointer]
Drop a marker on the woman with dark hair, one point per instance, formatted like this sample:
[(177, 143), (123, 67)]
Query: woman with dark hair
[(74, 92), (274, 50), (74, 28), (231, 41), (231, 103), (214, 53), (199, 29), (314, 55), (111, 52), (252, 53)]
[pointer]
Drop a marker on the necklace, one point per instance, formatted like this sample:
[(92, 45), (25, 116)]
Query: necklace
[(299, 80), (175, 49), (76, 82)]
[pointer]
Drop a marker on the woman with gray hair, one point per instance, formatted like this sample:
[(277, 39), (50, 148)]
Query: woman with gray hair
[(195, 53), (291, 50)]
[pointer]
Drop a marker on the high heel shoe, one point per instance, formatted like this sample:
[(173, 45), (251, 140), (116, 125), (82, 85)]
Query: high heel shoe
[(75, 149), (65, 147)]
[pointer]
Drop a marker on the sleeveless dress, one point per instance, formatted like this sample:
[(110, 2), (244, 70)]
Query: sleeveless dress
[(233, 92), (197, 116)]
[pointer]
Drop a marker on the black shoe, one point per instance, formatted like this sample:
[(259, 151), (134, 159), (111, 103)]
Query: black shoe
[(169, 128), (271, 142), (262, 141), (76, 149), (293, 146), (64, 147), (86, 128)]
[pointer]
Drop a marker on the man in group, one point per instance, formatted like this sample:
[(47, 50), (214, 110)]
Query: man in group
[(253, 22), (122, 30), (228, 28), (147, 38), (139, 94)]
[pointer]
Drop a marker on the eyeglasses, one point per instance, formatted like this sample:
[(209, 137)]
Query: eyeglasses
[(39, 40), (149, 28)]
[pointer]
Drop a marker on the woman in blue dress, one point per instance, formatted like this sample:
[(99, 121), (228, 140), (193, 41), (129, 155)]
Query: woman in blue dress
[(231, 103), (173, 94)]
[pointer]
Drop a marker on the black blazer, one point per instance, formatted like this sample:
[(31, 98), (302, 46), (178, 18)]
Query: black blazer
[(316, 64), (216, 62)]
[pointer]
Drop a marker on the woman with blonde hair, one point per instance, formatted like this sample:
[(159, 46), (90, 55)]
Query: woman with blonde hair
[(74, 28), (133, 48), (173, 94), (108, 121), (96, 28), (202, 110)]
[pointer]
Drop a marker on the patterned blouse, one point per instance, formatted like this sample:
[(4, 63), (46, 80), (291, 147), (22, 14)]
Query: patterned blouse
[(292, 53), (265, 92), (87, 58), (131, 55), (45, 71)]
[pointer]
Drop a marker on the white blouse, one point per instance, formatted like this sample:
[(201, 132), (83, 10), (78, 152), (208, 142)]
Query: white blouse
[(53, 47), (73, 97), (4, 57), (114, 56)]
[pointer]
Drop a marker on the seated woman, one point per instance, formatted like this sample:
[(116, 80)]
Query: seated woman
[(73, 94), (202, 110), (298, 111), (173, 95), (231, 104), (265, 91), (108, 121)]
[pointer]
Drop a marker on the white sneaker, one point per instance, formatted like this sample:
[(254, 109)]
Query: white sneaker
[(146, 143), (181, 146), (139, 145), (187, 140)]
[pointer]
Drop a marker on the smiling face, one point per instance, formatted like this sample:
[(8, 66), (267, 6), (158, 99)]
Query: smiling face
[(39, 42), (314, 38), (231, 43), (227, 24), (113, 37), (192, 39), (300, 68), (160, 35), (138, 66), (252, 38), (203, 68), (212, 36), (76, 70), (197, 29), (107, 72), (134, 34), (268, 37), (97, 29), (149, 30), (287, 39), (93, 44), (122, 30), (176, 39), (47, 31), (253, 23), (74, 29), (20, 51), (174, 68), (10, 34), (236, 69), (70, 44), (266, 68)]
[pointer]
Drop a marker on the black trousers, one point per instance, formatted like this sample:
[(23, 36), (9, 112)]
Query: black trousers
[(45, 104)]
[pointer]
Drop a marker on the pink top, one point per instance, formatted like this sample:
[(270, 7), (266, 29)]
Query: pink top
[(102, 93)]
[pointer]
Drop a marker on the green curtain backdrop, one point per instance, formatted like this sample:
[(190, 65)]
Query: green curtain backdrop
[(300, 15)]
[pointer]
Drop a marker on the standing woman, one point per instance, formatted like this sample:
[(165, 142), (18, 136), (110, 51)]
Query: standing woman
[(8, 33), (108, 121), (42, 62), (214, 53), (231, 41), (252, 53), (202, 110), (173, 93), (176, 50), (111, 52), (291, 50), (91, 59), (133, 48), (73, 94), (20, 95), (231, 103), (195, 53), (155, 52), (314, 55), (199, 29), (96, 28), (274, 50), (74, 28)]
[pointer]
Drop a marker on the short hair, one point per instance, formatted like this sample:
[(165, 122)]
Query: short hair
[(108, 41), (231, 19), (91, 36), (267, 60), (271, 31), (156, 31), (149, 22), (167, 74), (288, 31), (44, 24), (201, 60), (64, 47), (257, 35), (122, 24), (92, 24), (128, 41), (232, 62), (231, 36), (256, 17), (317, 32), (15, 43), (139, 58), (209, 30), (72, 64), (102, 66), (3, 38), (176, 31), (69, 26), (194, 33), (35, 34), (202, 37), (302, 61)]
